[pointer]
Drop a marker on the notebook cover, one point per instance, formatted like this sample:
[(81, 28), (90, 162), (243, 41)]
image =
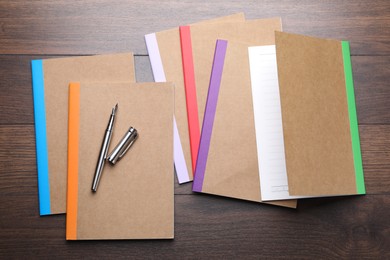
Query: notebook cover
[(165, 56), (227, 164), (198, 43), (50, 79), (319, 116), (135, 198)]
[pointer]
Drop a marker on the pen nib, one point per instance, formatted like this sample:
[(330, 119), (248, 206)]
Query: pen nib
[(114, 109)]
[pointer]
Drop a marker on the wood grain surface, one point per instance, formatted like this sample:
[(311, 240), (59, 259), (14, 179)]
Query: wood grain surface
[(205, 226)]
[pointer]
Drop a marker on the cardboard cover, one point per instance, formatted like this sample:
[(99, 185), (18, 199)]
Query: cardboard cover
[(51, 78), (135, 198), (166, 60), (227, 164), (201, 39), (319, 116)]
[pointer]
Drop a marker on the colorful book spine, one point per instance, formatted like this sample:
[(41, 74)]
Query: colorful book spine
[(40, 137), (211, 106), (159, 76), (190, 88), (353, 121), (73, 160)]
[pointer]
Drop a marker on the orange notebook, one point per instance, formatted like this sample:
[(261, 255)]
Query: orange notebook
[(135, 198)]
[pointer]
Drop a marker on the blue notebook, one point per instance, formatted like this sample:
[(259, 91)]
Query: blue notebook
[(50, 80)]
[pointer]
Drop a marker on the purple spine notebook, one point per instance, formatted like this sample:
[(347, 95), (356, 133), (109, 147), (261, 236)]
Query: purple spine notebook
[(209, 114)]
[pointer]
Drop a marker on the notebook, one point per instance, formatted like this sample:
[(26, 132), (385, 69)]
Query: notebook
[(50, 79), (320, 127), (305, 121), (135, 197), (198, 44), (227, 163), (165, 57)]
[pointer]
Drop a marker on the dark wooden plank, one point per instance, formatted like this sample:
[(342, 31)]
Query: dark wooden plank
[(16, 100), (372, 90), (143, 69), (375, 147), (205, 226), (18, 161), (91, 27), (371, 76), (215, 227)]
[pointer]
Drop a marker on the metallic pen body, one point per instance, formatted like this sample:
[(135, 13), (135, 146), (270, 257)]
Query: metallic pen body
[(104, 150)]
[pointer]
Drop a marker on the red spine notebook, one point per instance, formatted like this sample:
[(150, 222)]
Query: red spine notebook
[(190, 88)]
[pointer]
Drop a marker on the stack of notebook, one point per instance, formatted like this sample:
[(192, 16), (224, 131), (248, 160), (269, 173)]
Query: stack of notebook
[(239, 107), (73, 98)]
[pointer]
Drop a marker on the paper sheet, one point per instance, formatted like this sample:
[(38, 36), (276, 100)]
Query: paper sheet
[(268, 123)]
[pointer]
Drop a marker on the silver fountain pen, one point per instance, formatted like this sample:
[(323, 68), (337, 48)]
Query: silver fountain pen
[(103, 150)]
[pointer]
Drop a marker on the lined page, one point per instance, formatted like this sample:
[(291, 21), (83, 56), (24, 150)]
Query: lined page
[(268, 123)]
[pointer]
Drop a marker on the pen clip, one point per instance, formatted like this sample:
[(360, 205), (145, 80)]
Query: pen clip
[(123, 146)]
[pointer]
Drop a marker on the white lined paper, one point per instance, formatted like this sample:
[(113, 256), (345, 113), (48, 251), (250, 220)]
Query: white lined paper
[(268, 123)]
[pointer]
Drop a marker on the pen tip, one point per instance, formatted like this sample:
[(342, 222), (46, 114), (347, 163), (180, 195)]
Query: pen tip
[(114, 109)]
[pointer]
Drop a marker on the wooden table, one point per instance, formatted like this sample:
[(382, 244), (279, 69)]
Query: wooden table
[(205, 226)]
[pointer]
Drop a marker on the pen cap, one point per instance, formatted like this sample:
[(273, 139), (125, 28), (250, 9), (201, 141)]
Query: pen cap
[(123, 146)]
